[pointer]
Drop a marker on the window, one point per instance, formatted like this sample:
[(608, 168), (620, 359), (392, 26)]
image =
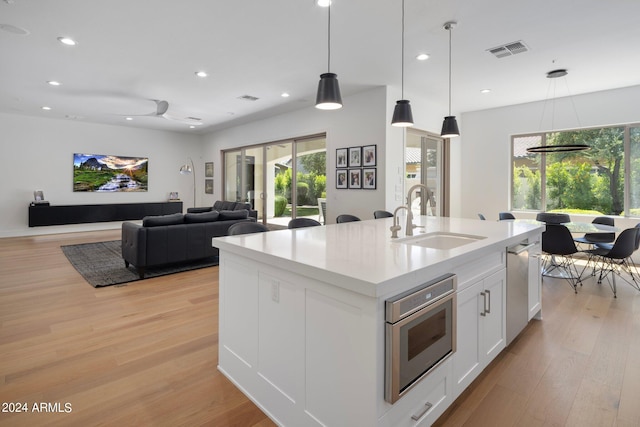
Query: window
[(602, 180), (264, 176)]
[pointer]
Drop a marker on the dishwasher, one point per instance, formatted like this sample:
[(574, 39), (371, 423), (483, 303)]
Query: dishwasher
[(518, 287)]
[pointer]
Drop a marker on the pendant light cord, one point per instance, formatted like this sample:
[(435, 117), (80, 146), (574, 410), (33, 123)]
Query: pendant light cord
[(329, 40), (449, 69), (402, 62)]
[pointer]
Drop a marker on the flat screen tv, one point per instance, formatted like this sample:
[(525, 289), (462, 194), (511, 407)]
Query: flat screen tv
[(104, 173)]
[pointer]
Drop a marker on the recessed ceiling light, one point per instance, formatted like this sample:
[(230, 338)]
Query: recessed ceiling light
[(192, 127), (54, 83), (46, 108), (485, 91), (422, 57), (201, 74), (129, 118), (323, 3), (67, 41), (284, 95)]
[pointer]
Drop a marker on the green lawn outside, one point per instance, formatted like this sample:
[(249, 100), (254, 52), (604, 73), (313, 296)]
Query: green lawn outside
[(302, 211)]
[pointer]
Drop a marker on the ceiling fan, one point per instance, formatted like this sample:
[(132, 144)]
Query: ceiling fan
[(162, 107)]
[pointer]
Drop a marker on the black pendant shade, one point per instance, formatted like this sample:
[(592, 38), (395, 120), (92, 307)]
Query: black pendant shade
[(402, 116), (449, 127), (328, 97)]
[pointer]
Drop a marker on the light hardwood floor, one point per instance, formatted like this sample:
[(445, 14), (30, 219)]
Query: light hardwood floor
[(145, 354)]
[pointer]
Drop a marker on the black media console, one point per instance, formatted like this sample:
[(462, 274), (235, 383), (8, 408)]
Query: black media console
[(40, 215)]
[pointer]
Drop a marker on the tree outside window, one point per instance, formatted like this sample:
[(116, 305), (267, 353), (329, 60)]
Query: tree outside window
[(590, 181)]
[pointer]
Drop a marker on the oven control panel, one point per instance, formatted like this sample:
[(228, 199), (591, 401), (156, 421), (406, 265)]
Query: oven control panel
[(409, 302)]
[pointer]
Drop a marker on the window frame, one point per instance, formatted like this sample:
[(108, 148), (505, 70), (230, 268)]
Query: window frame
[(543, 165)]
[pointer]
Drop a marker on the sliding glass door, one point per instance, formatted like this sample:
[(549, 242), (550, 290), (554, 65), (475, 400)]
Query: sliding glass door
[(281, 180)]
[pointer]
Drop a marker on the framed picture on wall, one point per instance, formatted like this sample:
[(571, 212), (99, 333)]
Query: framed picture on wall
[(369, 178), (355, 178), (341, 178), (208, 186), (355, 157), (208, 169), (369, 155), (341, 157)]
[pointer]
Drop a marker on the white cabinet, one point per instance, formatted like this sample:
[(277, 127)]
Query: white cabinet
[(535, 283), (481, 328), (426, 402)]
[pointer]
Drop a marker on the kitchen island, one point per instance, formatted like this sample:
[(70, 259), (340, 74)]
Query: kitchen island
[(302, 315)]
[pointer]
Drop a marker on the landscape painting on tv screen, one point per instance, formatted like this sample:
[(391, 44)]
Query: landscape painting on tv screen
[(101, 173)]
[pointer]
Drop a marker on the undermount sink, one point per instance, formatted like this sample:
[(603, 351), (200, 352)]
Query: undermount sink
[(440, 240)]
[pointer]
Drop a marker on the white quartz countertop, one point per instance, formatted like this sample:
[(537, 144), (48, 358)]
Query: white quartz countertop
[(362, 256)]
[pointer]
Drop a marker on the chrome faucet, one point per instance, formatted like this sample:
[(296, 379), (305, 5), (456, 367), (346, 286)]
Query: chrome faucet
[(396, 227), (410, 225)]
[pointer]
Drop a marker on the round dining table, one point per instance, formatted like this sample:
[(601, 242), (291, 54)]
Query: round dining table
[(553, 269), (575, 226)]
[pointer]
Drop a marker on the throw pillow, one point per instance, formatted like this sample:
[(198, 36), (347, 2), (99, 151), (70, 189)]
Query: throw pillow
[(191, 218), (227, 206), (160, 220), (228, 215)]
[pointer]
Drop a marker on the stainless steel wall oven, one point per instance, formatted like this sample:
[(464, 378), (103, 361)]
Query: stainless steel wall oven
[(420, 333)]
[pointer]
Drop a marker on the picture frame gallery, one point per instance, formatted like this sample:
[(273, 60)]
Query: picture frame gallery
[(356, 167)]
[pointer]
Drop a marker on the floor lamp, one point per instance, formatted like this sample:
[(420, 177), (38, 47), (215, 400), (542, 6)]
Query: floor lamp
[(187, 169)]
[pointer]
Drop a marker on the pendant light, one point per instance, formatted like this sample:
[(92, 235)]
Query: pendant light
[(554, 74), (402, 116), (328, 97), (449, 125)]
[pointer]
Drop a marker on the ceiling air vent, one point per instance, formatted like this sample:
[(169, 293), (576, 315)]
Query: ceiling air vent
[(508, 49), (248, 98)]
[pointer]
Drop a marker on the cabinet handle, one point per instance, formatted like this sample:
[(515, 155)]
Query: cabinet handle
[(488, 310), (484, 303), (421, 412)]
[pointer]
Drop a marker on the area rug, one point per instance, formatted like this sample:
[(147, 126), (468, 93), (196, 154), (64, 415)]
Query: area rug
[(101, 264)]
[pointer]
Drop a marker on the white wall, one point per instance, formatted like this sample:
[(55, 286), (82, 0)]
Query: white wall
[(361, 121), (486, 136), (37, 153)]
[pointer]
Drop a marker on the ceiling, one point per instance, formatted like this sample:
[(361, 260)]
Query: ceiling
[(130, 53)]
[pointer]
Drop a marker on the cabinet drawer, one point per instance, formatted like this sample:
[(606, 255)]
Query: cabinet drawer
[(425, 403), (480, 268)]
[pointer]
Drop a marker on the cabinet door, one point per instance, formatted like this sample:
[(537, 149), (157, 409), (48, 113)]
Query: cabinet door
[(467, 360), (535, 283), (493, 330)]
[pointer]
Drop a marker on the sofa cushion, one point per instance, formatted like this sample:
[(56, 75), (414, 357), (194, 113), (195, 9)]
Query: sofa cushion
[(240, 206), (160, 220), (191, 218), (218, 205), (227, 215), (227, 206)]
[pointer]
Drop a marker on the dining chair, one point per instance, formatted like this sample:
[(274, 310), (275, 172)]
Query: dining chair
[(593, 238), (505, 215), (615, 261), (346, 218), (553, 217), (559, 248), (246, 228), (382, 214), (302, 222), (482, 217)]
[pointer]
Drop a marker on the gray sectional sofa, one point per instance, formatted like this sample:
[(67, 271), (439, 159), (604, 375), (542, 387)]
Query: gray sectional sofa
[(223, 205), (176, 238)]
